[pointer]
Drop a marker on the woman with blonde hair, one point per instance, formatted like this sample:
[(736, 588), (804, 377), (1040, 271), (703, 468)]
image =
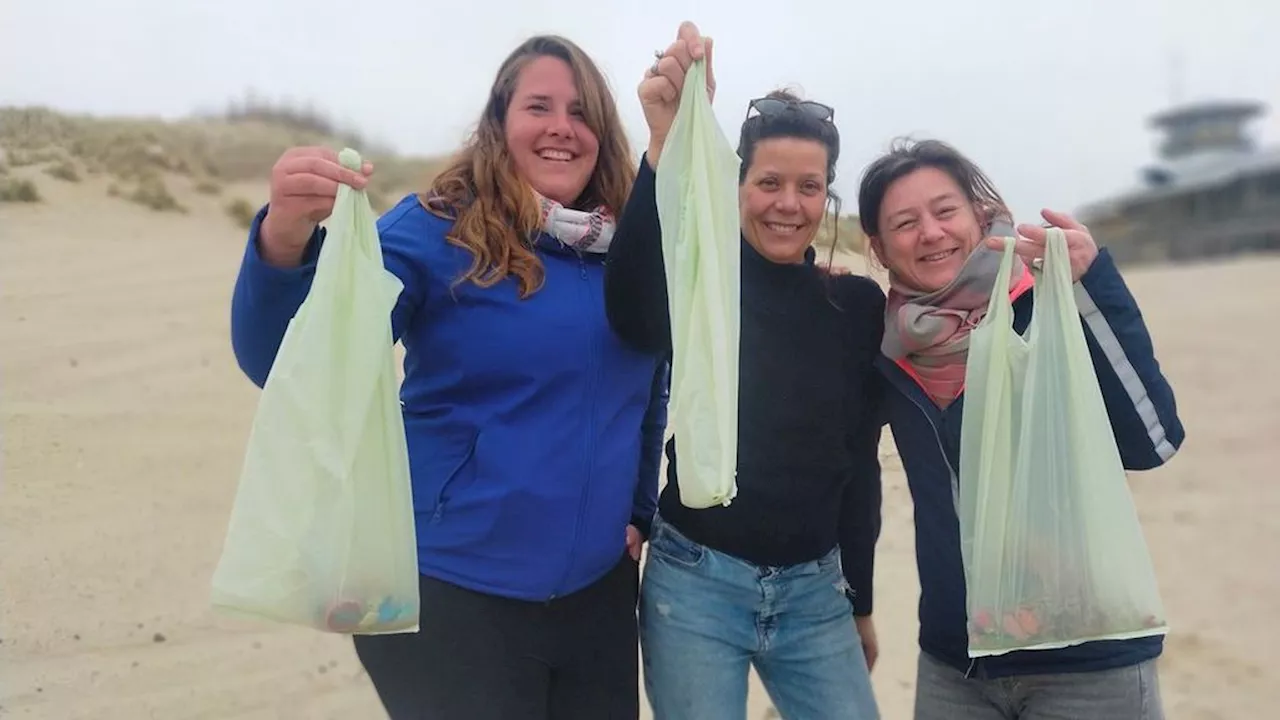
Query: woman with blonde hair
[(534, 434)]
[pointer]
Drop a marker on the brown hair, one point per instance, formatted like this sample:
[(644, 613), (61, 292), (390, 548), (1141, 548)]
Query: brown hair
[(794, 123), (790, 123), (496, 215), (905, 157)]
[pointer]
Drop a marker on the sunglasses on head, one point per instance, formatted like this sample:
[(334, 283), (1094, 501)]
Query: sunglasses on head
[(774, 106)]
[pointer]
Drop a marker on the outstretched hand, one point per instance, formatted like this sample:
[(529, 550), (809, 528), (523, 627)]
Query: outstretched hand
[(1030, 245), (663, 83), (304, 188)]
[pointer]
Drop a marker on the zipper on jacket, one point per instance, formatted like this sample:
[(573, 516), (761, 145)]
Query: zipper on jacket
[(589, 445), (955, 492), (936, 435), (955, 477)]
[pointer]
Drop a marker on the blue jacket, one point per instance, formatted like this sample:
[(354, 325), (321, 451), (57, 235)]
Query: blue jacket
[(534, 434), (1148, 432)]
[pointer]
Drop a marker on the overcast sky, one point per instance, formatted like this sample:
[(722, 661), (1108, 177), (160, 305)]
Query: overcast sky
[(1050, 98)]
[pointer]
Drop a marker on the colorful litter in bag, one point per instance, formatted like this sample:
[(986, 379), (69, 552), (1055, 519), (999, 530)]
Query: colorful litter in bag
[(321, 533), (697, 195), (1053, 549)]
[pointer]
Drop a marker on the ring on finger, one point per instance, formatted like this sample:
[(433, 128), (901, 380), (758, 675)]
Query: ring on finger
[(657, 58)]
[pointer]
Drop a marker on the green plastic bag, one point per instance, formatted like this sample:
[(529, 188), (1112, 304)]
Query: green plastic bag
[(321, 533), (1053, 549), (697, 195)]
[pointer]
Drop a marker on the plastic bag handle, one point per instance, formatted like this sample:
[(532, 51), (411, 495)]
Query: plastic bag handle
[(1056, 268), (694, 98), (999, 307), (350, 159), (1054, 281)]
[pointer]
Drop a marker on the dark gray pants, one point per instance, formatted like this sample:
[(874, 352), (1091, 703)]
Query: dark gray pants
[(480, 657), (1127, 693)]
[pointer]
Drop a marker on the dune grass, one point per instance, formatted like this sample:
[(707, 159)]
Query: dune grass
[(845, 231), (146, 159), (18, 190), (142, 155), (241, 212)]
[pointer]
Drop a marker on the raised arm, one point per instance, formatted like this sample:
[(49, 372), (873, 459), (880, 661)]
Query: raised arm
[(1139, 399), (635, 280), (267, 296), (635, 275), (265, 299)]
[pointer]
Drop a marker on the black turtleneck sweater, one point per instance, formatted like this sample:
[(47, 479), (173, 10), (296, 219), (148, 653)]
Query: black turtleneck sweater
[(808, 401)]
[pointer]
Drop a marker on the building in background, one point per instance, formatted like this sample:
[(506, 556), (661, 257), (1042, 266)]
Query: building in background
[(1212, 193)]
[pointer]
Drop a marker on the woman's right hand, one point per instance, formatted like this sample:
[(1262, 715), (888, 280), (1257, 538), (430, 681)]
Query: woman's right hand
[(660, 91), (304, 186)]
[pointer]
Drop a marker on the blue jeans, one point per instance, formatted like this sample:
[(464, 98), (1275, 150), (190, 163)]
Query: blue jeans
[(707, 617)]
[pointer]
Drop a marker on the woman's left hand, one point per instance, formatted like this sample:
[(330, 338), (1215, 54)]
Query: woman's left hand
[(663, 83), (635, 542), (870, 644), (1081, 247)]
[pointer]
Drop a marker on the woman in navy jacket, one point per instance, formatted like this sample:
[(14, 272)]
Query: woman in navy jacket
[(534, 434), (927, 209)]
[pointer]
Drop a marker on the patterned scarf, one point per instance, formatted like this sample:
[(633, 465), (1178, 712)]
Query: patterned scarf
[(588, 232), (931, 330)]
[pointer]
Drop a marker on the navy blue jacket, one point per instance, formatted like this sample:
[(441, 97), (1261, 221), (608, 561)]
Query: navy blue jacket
[(1143, 417), (534, 434)]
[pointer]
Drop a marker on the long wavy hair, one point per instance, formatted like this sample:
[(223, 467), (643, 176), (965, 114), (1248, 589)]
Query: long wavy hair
[(495, 212)]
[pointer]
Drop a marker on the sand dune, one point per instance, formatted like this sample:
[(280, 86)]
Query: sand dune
[(125, 419)]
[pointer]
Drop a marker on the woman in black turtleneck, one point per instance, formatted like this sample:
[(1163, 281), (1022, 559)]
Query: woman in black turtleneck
[(780, 578)]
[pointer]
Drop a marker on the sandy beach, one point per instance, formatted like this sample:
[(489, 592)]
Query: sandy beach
[(125, 418)]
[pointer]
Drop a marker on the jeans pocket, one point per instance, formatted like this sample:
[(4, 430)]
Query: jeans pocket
[(667, 544)]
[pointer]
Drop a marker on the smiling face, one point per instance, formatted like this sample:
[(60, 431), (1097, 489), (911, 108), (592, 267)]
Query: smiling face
[(928, 227), (783, 197), (550, 143)]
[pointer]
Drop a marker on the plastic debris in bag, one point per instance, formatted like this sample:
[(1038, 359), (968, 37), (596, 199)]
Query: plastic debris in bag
[(322, 533), (697, 195), (1053, 549)]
